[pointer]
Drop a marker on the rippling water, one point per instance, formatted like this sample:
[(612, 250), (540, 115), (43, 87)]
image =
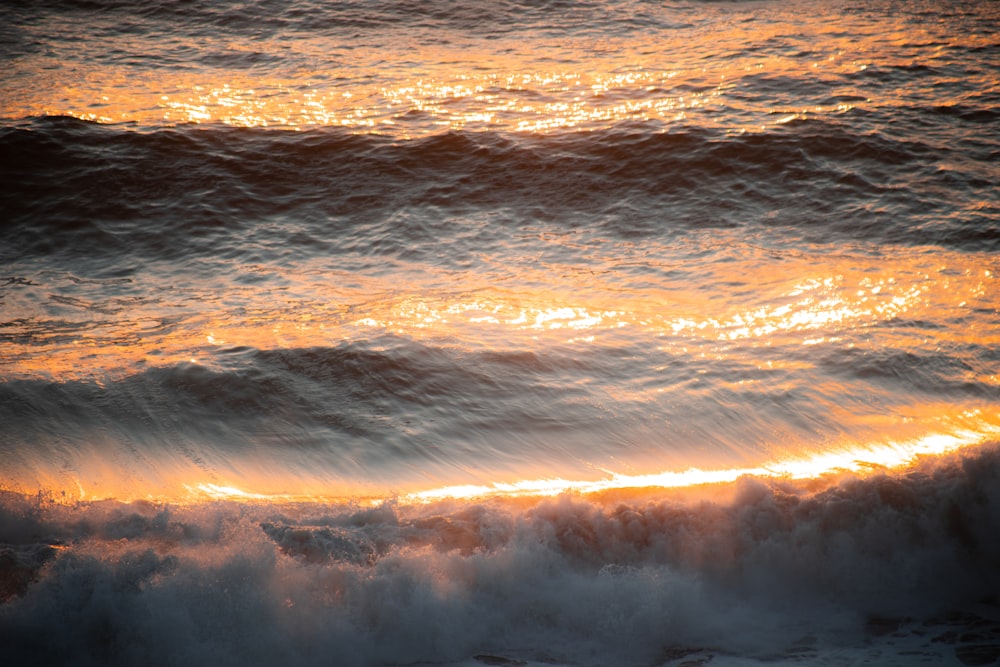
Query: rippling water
[(415, 331)]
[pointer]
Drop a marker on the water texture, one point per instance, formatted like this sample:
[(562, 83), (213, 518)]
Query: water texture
[(593, 333)]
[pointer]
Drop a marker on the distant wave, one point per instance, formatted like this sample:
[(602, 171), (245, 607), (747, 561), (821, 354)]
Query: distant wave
[(103, 188)]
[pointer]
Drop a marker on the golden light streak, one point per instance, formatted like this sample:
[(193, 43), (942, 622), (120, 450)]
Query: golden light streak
[(258, 482), (219, 492), (859, 459), (198, 493)]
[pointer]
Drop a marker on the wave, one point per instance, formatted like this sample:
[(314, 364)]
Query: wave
[(261, 19), (948, 374), (894, 565), (81, 188), (352, 415), (375, 398), (392, 413)]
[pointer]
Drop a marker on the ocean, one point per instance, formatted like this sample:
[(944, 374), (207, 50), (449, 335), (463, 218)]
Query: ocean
[(519, 333)]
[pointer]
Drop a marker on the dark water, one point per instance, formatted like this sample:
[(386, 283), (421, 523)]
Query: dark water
[(371, 333)]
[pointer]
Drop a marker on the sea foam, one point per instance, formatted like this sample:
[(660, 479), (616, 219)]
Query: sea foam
[(750, 569)]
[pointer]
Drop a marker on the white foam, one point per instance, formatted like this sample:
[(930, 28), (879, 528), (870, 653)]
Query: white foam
[(760, 570)]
